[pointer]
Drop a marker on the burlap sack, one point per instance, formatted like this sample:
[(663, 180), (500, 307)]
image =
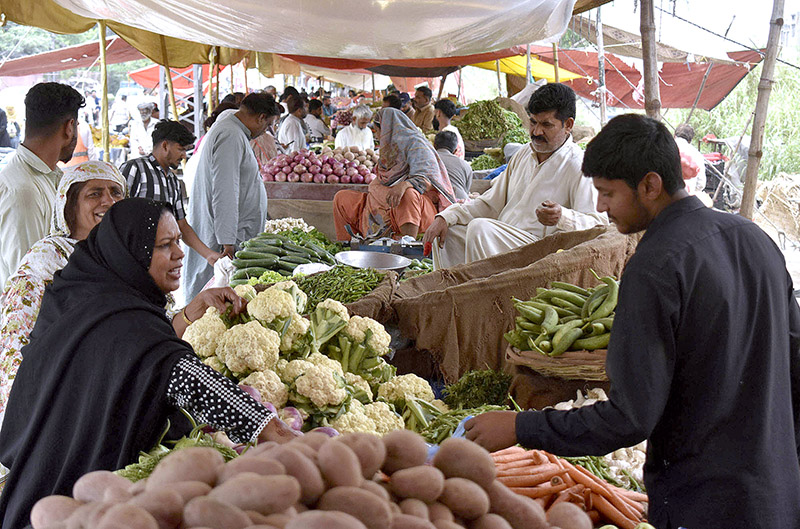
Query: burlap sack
[(462, 315)]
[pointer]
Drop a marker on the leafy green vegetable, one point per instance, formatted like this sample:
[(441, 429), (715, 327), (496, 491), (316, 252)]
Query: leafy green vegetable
[(487, 120), (478, 388), (486, 161), (516, 135), (314, 236), (267, 278)]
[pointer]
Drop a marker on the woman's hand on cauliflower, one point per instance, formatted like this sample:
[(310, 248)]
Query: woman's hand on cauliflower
[(204, 333), (249, 347), (217, 298), (269, 385)]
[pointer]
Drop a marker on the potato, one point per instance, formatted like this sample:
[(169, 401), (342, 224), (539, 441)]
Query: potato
[(324, 520), (88, 515), (166, 506), (439, 511), (125, 516), (52, 509), (186, 489), (306, 450), (465, 498), (371, 510), (304, 471), (447, 524), (314, 439), (278, 520), (519, 511), (376, 489), (460, 458), (569, 515), (406, 521), (190, 464), (264, 494), (92, 486), (370, 450), (414, 507), (117, 494), (404, 449), (260, 449), (258, 465), (339, 465), (262, 526), (208, 512), (490, 521), (138, 487), (424, 483)]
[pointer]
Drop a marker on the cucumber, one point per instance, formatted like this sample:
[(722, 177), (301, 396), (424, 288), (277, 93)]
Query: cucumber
[(283, 272), (253, 271), (261, 242), (287, 265), (297, 249), (295, 259), (254, 254), (237, 282), (261, 263), (267, 248)]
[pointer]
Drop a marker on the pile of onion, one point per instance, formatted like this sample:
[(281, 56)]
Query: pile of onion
[(332, 166)]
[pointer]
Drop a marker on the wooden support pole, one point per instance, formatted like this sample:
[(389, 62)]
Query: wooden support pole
[(101, 27), (652, 99), (244, 70), (527, 63), (760, 119), (499, 85), (374, 94), (699, 92), (601, 76), (441, 87), (212, 64), (555, 62), (170, 88)]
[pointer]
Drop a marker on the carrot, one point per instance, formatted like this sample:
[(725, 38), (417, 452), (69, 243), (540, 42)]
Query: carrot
[(571, 495), (542, 502), (560, 462), (632, 495), (510, 450), (509, 454), (516, 464), (556, 480), (594, 516), (605, 508), (600, 487), (539, 457), (530, 469), (538, 492), (508, 458), (529, 480)]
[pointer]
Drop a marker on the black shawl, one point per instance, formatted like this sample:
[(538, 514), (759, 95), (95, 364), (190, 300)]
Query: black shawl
[(90, 392)]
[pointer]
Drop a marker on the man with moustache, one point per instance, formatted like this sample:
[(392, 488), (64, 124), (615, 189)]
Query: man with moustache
[(28, 183), (541, 192), (153, 177)]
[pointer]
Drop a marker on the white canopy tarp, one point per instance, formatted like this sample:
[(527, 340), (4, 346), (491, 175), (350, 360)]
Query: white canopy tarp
[(355, 29)]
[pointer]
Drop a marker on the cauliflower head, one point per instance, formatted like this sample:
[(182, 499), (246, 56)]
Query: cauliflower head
[(249, 347), (215, 363), (271, 304), (384, 417), (294, 369), (247, 292), (335, 307), (300, 297), (359, 383), (354, 420), (269, 385), (319, 359), (379, 339), (441, 406), (204, 334), (321, 387), (298, 327), (404, 386)]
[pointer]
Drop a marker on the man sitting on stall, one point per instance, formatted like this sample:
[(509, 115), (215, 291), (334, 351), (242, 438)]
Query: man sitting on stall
[(423, 109), (291, 134), (704, 357), (328, 110), (357, 133), (459, 171), (544, 177), (317, 128), (153, 176)]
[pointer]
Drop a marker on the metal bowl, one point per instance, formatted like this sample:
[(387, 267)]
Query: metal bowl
[(377, 260)]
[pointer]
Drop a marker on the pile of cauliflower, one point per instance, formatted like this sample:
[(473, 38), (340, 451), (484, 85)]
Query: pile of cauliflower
[(329, 366)]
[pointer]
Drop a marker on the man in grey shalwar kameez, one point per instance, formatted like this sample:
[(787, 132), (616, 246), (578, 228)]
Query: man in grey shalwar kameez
[(228, 202)]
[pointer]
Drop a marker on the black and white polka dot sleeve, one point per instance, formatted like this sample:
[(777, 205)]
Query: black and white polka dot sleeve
[(215, 400)]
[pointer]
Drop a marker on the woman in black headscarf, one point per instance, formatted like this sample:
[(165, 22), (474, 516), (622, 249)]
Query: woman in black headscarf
[(105, 367)]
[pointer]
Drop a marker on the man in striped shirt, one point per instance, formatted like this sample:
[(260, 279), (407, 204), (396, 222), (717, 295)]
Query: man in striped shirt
[(153, 177)]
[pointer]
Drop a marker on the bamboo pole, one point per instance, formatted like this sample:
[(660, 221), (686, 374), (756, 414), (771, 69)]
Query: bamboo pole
[(733, 155), (762, 102), (216, 90), (699, 93), (170, 88), (244, 69), (652, 99), (101, 28), (374, 95), (555, 62), (499, 85), (212, 64), (527, 63), (441, 87), (601, 63)]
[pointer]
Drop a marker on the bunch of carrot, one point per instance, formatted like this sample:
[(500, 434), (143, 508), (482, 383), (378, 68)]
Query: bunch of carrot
[(550, 480)]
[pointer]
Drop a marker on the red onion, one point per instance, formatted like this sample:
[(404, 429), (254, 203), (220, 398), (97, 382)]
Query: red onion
[(357, 179), (267, 177), (319, 178), (250, 390), (344, 179), (307, 177), (293, 177), (333, 179), (280, 176), (299, 168), (338, 171), (292, 165), (369, 178), (298, 158), (326, 170), (352, 171), (363, 171), (314, 169), (282, 163)]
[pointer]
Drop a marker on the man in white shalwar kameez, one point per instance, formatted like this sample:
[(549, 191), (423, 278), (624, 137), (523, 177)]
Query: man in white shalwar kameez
[(541, 192)]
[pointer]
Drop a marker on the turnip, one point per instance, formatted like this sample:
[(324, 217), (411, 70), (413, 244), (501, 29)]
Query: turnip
[(333, 179), (307, 177), (344, 179), (280, 176), (319, 178)]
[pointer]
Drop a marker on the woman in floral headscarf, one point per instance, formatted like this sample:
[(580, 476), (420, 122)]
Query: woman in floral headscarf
[(410, 189), (85, 193)]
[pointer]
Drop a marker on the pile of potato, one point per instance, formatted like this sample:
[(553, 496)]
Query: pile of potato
[(356, 481)]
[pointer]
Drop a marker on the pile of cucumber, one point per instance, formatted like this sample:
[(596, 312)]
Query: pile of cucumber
[(271, 251), (565, 318)]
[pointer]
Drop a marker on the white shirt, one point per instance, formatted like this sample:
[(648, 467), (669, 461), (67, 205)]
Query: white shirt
[(525, 184), (142, 136), (291, 131), (460, 152), (317, 127), (27, 192), (352, 136)]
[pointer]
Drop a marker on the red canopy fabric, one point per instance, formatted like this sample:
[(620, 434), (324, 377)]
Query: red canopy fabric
[(80, 56), (679, 83), (148, 77)]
